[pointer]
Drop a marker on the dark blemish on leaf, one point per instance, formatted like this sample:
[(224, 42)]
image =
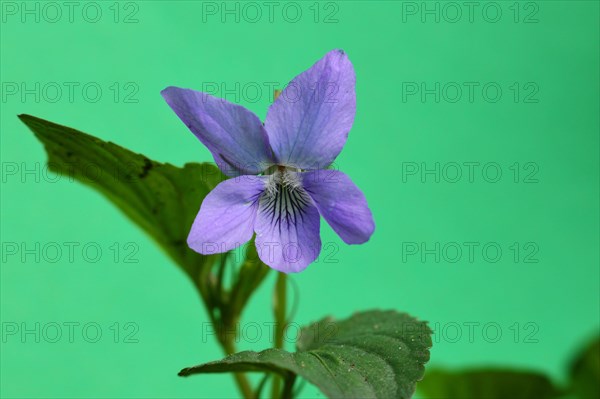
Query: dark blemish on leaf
[(178, 242), (146, 168), (69, 154)]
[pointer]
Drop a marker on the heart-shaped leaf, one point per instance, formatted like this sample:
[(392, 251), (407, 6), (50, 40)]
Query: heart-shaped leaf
[(374, 354), (486, 384)]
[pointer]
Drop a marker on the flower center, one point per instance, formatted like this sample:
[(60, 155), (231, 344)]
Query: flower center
[(284, 198), (283, 178)]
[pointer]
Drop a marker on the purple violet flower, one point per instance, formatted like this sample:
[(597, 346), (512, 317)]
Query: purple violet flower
[(282, 185)]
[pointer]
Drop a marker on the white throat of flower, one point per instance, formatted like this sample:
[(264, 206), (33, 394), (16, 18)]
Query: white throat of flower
[(283, 178), (284, 198)]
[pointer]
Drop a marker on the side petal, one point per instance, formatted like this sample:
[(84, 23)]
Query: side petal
[(341, 203), (287, 230), (226, 217), (234, 135), (309, 122)]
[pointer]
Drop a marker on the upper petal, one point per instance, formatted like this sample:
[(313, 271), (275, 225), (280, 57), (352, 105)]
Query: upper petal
[(234, 135), (309, 122), (226, 217), (287, 230), (341, 203)]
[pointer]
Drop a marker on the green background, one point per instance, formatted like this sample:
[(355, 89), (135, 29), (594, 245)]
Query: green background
[(175, 43)]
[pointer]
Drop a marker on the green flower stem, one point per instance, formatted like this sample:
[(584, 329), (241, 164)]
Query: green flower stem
[(288, 386), (240, 378), (227, 341), (279, 312)]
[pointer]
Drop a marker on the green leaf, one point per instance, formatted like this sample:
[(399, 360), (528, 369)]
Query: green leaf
[(161, 198), (486, 384), (374, 354), (585, 372)]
